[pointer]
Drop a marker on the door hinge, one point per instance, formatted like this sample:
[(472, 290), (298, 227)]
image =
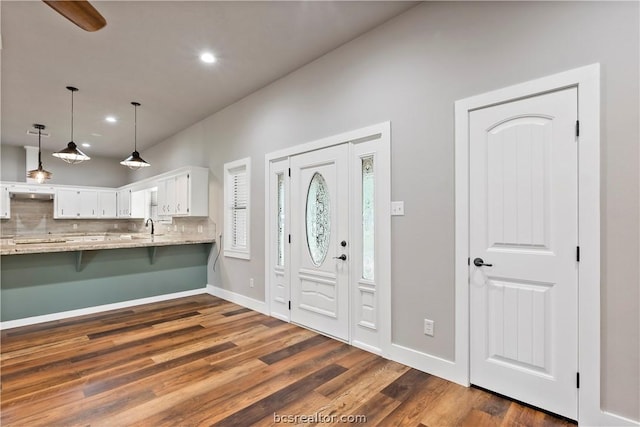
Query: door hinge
[(578, 253), (577, 379), (289, 238), (577, 127), (469, 261), (289, 305), (289, 171)]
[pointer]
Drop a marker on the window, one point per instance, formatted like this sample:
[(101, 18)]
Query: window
[(237, 178), (368, 220), (281, 219)]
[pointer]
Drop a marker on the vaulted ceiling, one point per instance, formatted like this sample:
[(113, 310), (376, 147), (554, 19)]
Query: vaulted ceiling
[(149, 52)]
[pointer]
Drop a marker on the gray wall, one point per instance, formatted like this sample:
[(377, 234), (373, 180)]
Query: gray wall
[(99, 171), (410, 71)]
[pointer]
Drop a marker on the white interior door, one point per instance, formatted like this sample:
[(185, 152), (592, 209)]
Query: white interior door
[(523, 222), (319, 226)]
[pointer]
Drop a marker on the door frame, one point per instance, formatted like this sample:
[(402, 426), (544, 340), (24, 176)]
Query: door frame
[(377, 339), (587, 81)]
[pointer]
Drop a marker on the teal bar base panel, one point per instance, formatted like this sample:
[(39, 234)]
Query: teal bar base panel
[(39, 284)]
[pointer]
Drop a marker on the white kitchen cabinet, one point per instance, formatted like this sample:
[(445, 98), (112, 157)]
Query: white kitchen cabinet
[(107, 204), (166, 197), (5, 202), (124, 203), (76, 203), (139, 204), (184, 194)]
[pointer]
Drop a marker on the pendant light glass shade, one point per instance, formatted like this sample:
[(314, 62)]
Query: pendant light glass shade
[(40, 174), (71, 154), (134, 161)]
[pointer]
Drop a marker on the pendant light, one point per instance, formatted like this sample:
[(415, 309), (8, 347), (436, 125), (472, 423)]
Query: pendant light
[(40, 174), (71, 154), (134, 161)]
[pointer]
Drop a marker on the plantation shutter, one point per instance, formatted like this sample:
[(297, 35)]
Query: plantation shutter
[(239, 204)]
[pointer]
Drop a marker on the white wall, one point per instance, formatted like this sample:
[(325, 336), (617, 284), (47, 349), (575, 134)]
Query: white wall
[(99, 171), (410, 71)]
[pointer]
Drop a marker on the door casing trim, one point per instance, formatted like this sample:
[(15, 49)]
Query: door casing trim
[(382, 133), (587, 81)]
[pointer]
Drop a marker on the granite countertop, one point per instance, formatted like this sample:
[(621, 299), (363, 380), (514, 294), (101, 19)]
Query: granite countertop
[(90, 242)]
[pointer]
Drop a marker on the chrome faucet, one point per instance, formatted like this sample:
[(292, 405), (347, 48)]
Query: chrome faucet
[(146, 224)]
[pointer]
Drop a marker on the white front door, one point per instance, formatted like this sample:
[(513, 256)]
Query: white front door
[(523, 227), (319, 229)]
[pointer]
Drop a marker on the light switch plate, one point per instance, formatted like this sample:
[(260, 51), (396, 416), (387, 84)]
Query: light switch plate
[(397, 208)]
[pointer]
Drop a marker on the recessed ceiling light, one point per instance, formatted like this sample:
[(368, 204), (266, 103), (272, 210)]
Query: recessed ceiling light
[(86, 144), (207, 58), (111, 119)]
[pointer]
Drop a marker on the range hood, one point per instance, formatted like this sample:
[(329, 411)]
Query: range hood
[(31, 192)]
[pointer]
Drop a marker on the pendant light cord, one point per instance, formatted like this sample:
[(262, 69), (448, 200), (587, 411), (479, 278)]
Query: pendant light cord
[(72, 115), (39, 149), (135, 127)]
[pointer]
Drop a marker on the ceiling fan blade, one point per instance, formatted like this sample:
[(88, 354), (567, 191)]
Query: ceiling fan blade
[(80, 12)]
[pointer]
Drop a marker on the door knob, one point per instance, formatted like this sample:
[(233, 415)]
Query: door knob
[(479, 262), (343, 257)]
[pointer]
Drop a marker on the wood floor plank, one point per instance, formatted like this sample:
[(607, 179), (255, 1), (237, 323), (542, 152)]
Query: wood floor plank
[(313, 403), (201, 360), (376, 409), (452, 403), (275, 401), (359, 385), (413, 404), (111, 383)]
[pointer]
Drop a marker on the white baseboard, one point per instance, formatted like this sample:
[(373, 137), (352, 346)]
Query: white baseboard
[(426, 363), (607, 419), (280, 317), (96, 309), (367, 347), (253, 304)]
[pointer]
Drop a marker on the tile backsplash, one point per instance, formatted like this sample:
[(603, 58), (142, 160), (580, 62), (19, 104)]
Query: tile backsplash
[(31, 217)]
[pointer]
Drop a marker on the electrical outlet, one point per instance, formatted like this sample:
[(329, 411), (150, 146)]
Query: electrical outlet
[(251, 282), (75, 226), (428, 327), (175, 227), (183, 228), (115, 226), (199, 229)]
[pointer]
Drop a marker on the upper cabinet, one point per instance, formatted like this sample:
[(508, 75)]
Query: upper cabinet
[(124, 203), (140, 202), (166, 197), (75, 203), (107, 204), (181, 192), (184, 194), (5, 202)]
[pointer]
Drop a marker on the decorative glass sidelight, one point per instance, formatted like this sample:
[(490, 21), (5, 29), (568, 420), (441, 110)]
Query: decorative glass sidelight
[(281, 219), (318, 218), (368, 208)]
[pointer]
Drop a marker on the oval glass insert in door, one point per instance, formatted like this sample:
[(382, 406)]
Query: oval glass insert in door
[(318, 219)]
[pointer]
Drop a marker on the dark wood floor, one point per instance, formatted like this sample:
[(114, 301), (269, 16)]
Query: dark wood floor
[(204, 361)]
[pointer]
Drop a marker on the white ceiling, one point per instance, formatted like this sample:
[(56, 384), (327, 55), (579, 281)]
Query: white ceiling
[(148, 52)]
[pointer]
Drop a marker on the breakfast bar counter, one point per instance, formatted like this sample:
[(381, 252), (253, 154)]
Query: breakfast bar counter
[(92, 242), (74, 274)]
